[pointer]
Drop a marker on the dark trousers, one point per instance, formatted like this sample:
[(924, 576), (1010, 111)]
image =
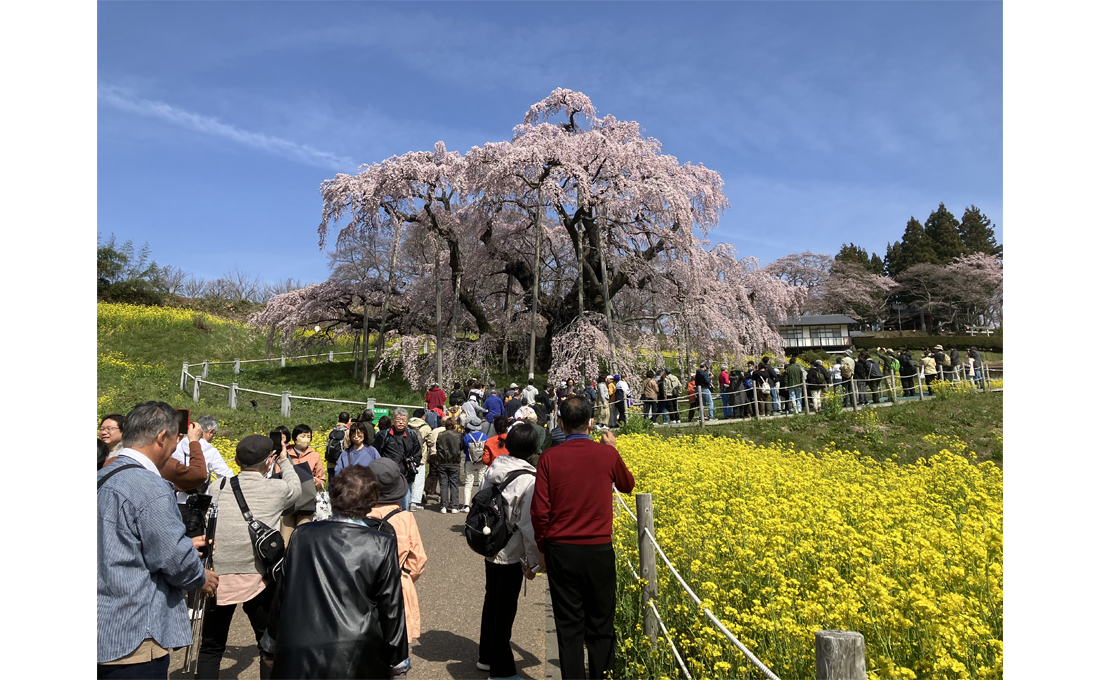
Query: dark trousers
[(907, 386), (448, 488), (157, 668), (582, 591), (431, 482), (671, 405), (215, 631), (621, 406), (498, 613), (649, 409)]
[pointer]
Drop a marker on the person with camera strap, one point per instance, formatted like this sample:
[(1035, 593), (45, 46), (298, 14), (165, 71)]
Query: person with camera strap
[(243, 573)]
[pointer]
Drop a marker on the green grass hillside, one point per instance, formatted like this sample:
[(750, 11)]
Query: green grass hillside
[(141, 351)]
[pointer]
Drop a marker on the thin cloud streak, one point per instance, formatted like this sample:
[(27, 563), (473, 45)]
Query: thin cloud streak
[(205, 124)]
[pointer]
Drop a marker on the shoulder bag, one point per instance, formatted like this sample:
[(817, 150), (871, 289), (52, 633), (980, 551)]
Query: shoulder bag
[(267, 543)]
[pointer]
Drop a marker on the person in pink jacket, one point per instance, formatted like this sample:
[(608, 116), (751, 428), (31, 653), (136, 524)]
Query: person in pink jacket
[(410, 549)]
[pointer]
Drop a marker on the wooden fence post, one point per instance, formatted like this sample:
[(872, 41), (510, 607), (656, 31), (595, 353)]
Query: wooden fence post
[(370, 403), (205, 370), (284, 408), (282, 362), (839, 655), (233, 396), (893, 388), (755, 402), (330, 356), (647, 561), (920, 384), (699, 399), (183, 377), (195, 390), (854, 392), (236, 366)]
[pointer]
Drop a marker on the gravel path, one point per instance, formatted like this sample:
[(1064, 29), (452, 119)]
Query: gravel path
[(450, 592)]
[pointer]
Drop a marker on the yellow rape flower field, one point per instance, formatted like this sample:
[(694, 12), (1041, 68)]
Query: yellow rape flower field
[(781, 543)]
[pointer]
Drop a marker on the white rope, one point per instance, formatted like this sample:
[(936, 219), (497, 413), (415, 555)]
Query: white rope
[(744, 650), (764, 669), (670, 642), (625, 507), (645, 530)]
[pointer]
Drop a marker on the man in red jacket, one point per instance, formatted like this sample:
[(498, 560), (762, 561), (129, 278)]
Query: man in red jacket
[(571, 515)]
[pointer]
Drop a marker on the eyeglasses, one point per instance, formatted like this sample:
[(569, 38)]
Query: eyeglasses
[(108, 428)]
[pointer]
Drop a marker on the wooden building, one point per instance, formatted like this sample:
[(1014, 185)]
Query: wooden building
[(829, 332)]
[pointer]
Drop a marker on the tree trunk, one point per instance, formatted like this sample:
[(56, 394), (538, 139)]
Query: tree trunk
[(270, 341), (454, 307), (606, 298), (385, 309), (535, 290), (507, 323), (438, 318)]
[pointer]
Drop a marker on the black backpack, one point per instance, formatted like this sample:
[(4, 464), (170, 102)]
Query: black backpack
[(486, 529), (335, 446), (383, 524)]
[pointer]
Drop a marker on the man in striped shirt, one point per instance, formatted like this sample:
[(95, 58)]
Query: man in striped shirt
[(145, 563)]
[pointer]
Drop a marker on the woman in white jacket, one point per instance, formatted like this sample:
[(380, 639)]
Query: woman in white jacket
[(504, 572)]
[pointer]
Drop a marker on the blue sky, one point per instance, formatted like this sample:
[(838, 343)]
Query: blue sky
[(829, 122)]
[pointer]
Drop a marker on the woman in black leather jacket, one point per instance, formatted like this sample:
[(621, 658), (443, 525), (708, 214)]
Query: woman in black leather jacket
[(338, 611)]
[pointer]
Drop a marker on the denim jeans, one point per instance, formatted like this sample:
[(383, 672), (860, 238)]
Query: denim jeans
[(775, 399), (796, 398), (708, 402), (727, 410)]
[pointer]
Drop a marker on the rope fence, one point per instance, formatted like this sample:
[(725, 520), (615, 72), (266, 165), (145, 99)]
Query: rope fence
[(647, 539), (758, 401)]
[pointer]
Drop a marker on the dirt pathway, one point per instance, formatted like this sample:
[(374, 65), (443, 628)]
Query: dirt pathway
[(450, 592)]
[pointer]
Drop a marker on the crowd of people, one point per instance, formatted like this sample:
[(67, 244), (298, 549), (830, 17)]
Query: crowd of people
[(342, 601)]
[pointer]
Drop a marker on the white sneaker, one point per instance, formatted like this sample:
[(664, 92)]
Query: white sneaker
[(466, 509), (443, 510), (413, 507), (482, 666)]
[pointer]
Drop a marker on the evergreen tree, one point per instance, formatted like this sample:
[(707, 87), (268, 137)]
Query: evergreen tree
[(852, 253), (878, 267), (913, 248), (942, 230), (976, 234)]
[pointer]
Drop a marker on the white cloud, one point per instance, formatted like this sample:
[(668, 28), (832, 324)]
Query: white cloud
[(302, 153)]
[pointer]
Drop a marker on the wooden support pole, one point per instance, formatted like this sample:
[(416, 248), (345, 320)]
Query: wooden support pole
[(330, 356), (195, 389), (805, 395), (236, 366), (920, 384), (183, 377), (233, 396), (839, 655), (284, 409), (282, 362), (647, 561), (755, 401), (205, 370)]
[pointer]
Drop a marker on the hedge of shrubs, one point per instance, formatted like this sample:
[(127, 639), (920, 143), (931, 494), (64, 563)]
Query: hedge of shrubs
[(991, 343)]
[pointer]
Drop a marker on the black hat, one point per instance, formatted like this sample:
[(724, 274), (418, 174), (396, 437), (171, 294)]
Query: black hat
[(255, 447), (392, 486)]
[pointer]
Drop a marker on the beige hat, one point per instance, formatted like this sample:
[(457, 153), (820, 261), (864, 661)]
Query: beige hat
[(938, 347)]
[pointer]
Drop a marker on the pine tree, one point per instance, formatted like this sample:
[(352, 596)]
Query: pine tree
[(850, 252), (915, 247), (942, 231), (976, 234), (878, 267)]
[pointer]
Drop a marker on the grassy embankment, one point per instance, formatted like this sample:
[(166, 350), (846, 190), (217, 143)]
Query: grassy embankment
[(900, 433)]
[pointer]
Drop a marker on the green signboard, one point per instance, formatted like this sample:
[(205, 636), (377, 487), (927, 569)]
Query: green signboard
[(379, 412)]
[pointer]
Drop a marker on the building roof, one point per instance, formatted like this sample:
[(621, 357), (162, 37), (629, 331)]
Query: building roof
[(819, 320)]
